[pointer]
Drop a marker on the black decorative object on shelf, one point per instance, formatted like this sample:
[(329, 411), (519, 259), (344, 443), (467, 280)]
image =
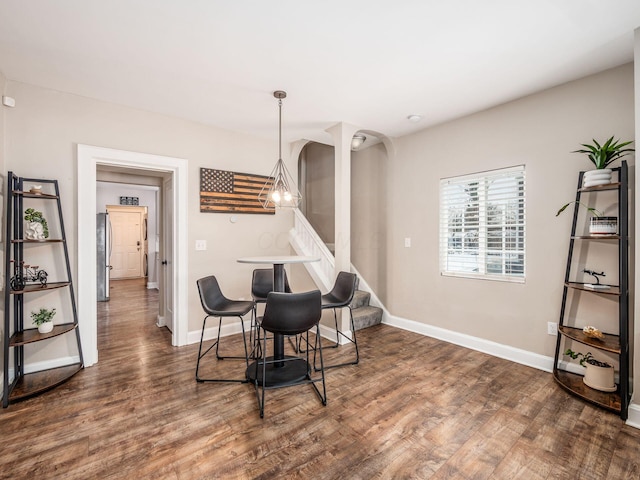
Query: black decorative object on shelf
[(24, 274), (595, 275)]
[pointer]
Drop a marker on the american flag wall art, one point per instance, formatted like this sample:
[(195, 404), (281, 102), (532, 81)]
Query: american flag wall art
[(222, 191)]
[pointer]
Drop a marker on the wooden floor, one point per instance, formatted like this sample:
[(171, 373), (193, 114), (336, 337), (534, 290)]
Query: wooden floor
[(415, 407)]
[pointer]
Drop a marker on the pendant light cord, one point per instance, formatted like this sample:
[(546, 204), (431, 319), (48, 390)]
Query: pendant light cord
[(280, 129)]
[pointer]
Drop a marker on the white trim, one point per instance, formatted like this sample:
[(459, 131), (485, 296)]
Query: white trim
[(524, 357), (45, 365), (49, 364), (633, 418), (151, 285), (88, 159)]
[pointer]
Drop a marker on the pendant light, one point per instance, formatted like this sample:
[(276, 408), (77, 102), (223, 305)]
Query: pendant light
[(280, 190)]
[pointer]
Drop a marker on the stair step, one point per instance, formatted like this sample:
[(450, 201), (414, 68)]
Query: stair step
[(367, 316), (360, 299)]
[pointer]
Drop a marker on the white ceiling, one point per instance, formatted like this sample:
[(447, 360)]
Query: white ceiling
[(370, 63)]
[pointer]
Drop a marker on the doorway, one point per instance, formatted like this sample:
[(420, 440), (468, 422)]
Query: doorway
[(89, 158), (129, 247)]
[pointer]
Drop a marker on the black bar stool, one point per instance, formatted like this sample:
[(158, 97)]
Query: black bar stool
[(215, 304), (288, 314)]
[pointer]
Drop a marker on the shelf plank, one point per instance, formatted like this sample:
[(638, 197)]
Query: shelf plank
[(46, 240), (34, 195), (606, 236), (38, 382), (573, 383), (614, 290), (32, 335), (600, 188), (610, 343), (40, 288)]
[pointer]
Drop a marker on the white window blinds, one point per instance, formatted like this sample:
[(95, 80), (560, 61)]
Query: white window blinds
[(482, 225)]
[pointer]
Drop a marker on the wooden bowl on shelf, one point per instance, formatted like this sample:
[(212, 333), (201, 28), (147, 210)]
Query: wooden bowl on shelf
[(592, 332)]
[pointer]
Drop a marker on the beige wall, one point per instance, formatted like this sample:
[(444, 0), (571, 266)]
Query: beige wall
[(538, 131), (45, 127), (319, 189), (369, 230)]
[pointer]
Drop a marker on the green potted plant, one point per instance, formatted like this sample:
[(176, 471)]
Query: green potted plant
[(37, 228), (598, 223), (602, 156), (43, 319), (599, 375)]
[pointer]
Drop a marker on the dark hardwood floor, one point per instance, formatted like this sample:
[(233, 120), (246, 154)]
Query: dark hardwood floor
[(415, 407)]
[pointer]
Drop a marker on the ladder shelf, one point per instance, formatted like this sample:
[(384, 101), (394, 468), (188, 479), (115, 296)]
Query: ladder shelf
[(615, 343), (27, 282)]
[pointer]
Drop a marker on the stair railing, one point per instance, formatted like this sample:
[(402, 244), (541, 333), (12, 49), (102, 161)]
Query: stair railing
[(306, 241)]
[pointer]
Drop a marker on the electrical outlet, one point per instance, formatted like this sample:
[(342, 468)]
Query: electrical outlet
[(552, 328), (201, 244), (407, 242)]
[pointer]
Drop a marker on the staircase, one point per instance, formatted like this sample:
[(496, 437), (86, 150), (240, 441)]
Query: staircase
[(364, 315), (366, 308)]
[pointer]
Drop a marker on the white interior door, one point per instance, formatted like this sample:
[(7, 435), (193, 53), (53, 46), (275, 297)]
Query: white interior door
[(167, 263), (127, 252)]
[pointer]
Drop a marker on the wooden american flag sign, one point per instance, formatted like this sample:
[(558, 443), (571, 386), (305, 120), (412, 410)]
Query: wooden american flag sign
[(222, 191)]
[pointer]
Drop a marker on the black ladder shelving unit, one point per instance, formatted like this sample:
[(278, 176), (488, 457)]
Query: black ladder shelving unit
[(19, 333), (616, 341)]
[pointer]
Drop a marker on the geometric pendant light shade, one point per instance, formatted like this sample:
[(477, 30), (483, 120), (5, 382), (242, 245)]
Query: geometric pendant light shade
[(280, 190)]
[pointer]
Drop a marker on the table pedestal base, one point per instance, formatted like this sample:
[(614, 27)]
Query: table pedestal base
[(293, 370)]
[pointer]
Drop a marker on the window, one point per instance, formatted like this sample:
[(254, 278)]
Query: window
[(482, 225)]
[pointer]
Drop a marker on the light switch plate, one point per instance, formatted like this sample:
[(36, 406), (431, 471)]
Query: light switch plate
[(407, 242)]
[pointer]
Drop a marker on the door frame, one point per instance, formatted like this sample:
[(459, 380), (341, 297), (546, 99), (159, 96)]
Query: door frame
[(89, 157)]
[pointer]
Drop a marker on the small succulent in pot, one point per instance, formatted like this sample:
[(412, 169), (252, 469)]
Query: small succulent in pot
[(43, 319), (607, 153)]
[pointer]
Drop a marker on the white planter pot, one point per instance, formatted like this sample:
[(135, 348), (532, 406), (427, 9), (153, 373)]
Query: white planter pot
[(45, 327), (603, 225), (601, 176), (600, 378), (34, 231)]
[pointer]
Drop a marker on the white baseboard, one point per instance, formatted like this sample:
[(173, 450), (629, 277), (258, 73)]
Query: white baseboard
[(151, 285), (633, 418), (160, 321), (45, 365), (524, 357)]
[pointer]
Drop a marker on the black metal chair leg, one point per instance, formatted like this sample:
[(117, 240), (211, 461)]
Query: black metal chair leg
[(353, 340)]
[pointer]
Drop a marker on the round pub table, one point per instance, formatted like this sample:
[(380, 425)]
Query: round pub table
[(278, 373)]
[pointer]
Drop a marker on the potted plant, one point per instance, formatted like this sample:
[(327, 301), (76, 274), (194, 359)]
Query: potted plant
[(602, 156), (37, 228), (599, 375), (43, 319), (598, 223)]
